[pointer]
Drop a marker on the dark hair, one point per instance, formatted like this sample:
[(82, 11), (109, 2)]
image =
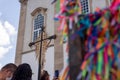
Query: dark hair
[(10, 67), (45, 75), (56, 73), (23, 72)]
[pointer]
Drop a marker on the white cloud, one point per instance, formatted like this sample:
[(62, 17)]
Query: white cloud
[(7, 34), (4, 36), (4, 50), (10, 28)]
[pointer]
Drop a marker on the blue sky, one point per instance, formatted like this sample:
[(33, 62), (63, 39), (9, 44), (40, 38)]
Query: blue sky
[(9, 20)]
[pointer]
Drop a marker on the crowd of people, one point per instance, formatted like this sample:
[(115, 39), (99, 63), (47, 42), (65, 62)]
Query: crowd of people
[(22, 72)]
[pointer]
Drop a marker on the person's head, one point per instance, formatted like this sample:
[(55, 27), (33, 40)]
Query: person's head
[(23, 72), (45, 75), (8, 70), (56, 75)]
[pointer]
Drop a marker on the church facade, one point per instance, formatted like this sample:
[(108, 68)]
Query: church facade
[(38, 14)]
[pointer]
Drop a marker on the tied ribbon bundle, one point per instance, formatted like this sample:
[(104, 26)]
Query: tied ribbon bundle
[(68, 11), (101, 34), (65, 74)]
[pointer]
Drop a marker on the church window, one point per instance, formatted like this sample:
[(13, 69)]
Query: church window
[(38, 25), (85, 6)]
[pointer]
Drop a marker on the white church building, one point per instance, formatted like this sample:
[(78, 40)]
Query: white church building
[(35, 14)]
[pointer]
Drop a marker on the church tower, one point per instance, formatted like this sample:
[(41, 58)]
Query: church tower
[(34, 15)]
